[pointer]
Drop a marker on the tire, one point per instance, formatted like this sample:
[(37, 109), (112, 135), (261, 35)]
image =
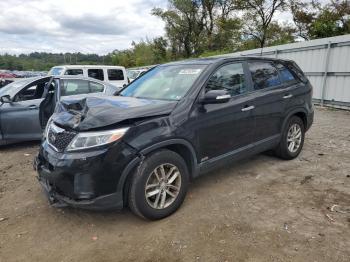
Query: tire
[(284, 148), (149, 173)]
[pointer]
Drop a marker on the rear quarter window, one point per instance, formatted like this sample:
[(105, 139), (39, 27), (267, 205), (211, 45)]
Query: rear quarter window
[(297, 71), (115, 74), (285, 74)]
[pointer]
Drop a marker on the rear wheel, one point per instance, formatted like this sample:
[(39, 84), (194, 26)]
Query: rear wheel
[(292, 139), (159, 185)]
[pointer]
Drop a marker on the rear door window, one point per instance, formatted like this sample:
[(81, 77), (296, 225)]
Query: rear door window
[(74, 72), (264, 75), (77, 87), (96, 73), (74, 87), (115, 74)]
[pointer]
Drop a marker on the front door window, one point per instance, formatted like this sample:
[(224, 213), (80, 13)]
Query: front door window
[(229, 78), (31, 92)]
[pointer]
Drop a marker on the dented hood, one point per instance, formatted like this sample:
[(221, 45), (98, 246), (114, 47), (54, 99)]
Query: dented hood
[(96, 112)]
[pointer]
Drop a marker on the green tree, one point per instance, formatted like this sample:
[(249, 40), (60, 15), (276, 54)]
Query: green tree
[(314, 20), (228, 34), (332, 20), (325, 25), (143, 53), (124, 58), (280, 34), (303, 15), (196, 26), (159, 48), (258, 15), (183, 26)]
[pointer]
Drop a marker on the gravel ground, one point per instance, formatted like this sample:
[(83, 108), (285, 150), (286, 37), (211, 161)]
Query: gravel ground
[(262, 209)]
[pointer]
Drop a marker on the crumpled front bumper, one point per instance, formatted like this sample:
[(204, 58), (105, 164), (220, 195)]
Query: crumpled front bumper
[(105, 202), (84, 180)]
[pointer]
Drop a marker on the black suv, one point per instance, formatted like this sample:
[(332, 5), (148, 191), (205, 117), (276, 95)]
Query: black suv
[(142, 146)]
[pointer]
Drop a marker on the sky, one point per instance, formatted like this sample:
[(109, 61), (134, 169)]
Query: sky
[(87, 26)]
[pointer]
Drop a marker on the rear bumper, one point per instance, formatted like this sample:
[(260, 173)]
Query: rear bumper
[(310, 120)]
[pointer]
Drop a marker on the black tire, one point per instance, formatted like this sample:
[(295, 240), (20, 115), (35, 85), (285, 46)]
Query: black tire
[(282, 150), (137, 199)]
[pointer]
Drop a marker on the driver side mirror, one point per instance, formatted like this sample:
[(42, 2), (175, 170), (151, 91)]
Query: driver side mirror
[(5, 99), (216, 97)]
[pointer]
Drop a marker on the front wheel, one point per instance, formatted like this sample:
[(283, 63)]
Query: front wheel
[(292, 139), (159, 185)]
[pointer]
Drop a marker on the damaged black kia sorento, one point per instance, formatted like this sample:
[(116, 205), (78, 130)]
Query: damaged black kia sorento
[(142, 147)]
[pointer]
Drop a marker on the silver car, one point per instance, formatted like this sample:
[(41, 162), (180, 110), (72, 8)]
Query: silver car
[(21, 100)]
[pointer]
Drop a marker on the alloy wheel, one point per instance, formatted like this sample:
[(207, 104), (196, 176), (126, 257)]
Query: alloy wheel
[(163, 186), (294, 138)]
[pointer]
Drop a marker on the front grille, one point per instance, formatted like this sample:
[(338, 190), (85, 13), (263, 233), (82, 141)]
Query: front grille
[(59, 138)]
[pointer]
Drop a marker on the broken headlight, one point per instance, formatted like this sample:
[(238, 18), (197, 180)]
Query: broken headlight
[(87, 140), (47, 127)]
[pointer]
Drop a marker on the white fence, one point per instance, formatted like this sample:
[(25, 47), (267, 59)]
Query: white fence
[(326, 62)]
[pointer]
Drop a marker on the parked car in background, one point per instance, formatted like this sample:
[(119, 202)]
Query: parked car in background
[(4, 82), (178, 121), (7, 75), (20, 102), (26, 74), (115, 75), (15, 74), (135, 73)]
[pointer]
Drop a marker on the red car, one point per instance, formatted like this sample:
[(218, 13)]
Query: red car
[(7, 75)]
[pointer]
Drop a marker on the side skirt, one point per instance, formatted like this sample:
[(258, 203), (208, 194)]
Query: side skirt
[(239, 154)]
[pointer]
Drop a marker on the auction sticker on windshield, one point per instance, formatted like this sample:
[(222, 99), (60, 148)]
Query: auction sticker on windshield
[(190, 71)]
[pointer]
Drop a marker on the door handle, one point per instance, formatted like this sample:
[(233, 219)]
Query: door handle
[(248, 108), (288, 96), (33, 107)]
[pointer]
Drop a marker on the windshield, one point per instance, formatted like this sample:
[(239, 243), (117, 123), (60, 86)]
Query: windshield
[(55, 71), (164, 82)]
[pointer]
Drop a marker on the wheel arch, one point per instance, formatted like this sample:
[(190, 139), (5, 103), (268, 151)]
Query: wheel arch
[(179, 146), (299, 112)]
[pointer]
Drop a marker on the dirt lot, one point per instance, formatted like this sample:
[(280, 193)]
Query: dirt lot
[(263, 209)]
